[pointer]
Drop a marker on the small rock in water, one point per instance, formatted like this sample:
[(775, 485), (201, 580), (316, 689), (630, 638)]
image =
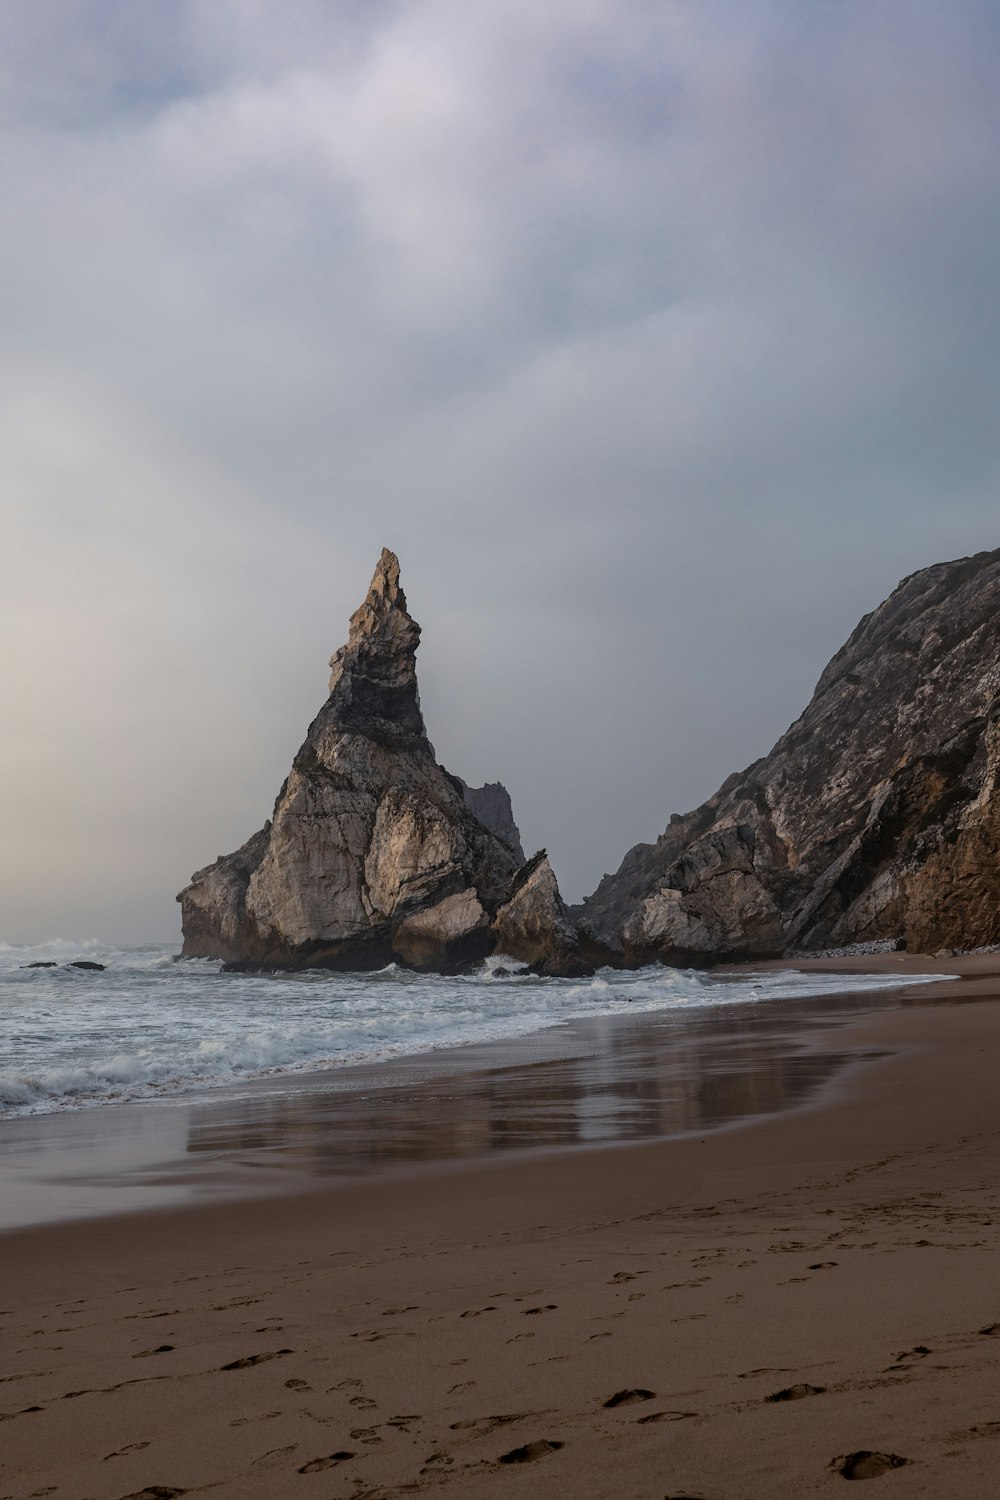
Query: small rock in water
[(86, 963), (41, 963)]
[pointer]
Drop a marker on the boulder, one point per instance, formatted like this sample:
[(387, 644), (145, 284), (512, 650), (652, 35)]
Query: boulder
[(534, 925)]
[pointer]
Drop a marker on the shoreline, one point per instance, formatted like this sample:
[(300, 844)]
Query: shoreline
[(632, 1074)]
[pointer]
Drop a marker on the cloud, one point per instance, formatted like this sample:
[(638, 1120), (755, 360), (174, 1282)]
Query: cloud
[(658, 350)]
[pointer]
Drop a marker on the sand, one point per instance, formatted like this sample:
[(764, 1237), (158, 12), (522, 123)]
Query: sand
[(595, 1323)]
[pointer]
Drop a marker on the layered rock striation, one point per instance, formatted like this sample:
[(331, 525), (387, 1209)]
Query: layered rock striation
[(876, 816), (374, 853)]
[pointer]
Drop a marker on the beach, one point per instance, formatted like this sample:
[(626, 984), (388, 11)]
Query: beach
[(606, 1321)]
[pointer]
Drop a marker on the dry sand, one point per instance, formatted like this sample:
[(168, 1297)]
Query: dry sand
[(606, 1323)]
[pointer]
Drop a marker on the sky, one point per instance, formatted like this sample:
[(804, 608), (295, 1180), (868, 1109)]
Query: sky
[(659, 342)]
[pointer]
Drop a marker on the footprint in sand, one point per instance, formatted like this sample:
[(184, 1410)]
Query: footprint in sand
[(129, 1448), (529, 1452), (255, 1359), (330, 1461), (437, 1461), (867, 1465), (160, 1349), (272, 1457), (796, 1392), (823, 1265), (665, 1416), (629, 1397), (530, 1312), (156, 1492), (919, 1351), (297, 1385), (475, 1312), (488, 1423)]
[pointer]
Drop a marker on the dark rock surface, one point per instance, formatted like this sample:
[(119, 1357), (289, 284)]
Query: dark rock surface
[(374, 852), (875, 817), (491, 805)]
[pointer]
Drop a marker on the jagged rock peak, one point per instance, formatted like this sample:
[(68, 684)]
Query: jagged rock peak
[(373, 684), (492, 806), (375, 853)]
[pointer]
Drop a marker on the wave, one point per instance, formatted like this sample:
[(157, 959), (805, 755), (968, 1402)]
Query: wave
[(149, 1027)]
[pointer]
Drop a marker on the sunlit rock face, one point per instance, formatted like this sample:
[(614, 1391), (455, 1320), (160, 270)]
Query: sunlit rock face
[(876, 816), (374, 853)]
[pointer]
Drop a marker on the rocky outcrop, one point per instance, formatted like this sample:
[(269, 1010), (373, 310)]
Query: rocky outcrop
[(374, 852), (877, 815), (491, 805), (534, 925)]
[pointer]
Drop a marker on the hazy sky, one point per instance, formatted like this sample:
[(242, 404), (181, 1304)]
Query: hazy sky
[(659, 340)]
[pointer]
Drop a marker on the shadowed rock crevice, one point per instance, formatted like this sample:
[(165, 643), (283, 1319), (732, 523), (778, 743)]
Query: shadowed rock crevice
[(374, 852)]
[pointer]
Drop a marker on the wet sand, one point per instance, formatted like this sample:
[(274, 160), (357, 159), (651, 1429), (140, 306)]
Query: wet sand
[(598, 1080), (610, 1321)]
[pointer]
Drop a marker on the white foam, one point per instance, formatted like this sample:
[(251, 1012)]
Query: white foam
[(148, 1027)]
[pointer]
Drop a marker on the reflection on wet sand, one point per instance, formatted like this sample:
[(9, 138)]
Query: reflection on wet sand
[(605, 1079), (665, 1075)]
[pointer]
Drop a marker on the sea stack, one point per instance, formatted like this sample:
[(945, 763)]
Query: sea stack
[(374, 853), (876, 817)]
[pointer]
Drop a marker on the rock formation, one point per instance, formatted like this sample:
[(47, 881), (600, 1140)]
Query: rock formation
[(374, 852), (876, 816), (534, 925), (491, 805)]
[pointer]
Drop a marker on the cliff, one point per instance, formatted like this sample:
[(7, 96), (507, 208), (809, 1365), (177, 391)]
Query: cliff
[(374, 852), (876, 816)]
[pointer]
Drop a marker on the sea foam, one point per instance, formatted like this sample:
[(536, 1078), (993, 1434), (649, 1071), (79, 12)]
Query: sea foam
[(150, 1027)]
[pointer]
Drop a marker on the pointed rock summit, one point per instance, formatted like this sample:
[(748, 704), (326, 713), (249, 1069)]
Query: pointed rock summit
[(374, 853), (373, 682)]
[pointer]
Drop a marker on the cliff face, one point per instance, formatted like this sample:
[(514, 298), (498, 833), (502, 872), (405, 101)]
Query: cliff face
[(374, 852), (877, 815)]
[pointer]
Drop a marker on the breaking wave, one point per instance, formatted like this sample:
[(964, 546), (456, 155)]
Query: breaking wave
[(149, 1026)]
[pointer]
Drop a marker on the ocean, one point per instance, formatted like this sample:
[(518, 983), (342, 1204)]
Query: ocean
[(151, 1027)]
